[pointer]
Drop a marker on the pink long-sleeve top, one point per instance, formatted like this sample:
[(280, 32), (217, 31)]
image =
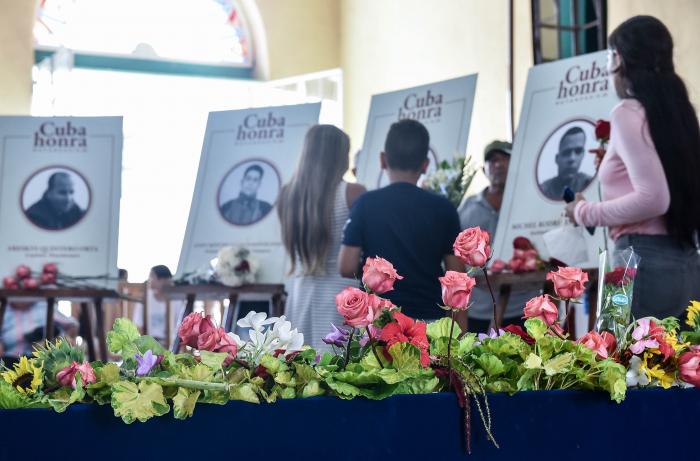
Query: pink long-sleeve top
[(635, 191)]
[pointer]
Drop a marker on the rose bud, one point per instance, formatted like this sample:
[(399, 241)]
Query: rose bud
[(50, 268), (10, 283), (48, 279), (30, 283)]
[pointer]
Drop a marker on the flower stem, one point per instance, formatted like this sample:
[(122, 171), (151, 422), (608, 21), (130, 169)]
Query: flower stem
[(347, 349), (567, 319), (372, 346), (493, 299), (449, 348)]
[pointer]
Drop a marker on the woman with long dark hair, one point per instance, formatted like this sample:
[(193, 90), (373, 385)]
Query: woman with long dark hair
[(649, 174), (313, 208)]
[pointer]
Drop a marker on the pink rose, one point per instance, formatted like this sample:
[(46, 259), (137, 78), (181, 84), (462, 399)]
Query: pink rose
[(610, 342), (354, 305), (595, 342), (689, 367), (541, 307), (379, 275), (378, 304), (569, 282), (498, 266), (227, 344), (66, 377), (457, 289), (472, 247), (192, 327), (208, 340)]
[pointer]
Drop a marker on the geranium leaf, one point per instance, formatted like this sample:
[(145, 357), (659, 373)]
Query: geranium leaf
[(184, 402), (245, 392), (558, 364), (491, 364), (535, 328), (533, 362), (441, 329), (121, 339), (141, 402), (213, 360), (405, 356)]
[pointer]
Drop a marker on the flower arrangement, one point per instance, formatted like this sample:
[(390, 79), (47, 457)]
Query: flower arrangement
[(377, 353), (525, 259), (233, 266), (451, 180)]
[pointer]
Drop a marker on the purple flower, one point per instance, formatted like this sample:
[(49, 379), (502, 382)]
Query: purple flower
[(147, 363), (490, 335), (337, 337)]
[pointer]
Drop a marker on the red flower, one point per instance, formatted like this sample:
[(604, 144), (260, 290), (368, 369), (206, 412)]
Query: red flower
[(620, 276), (10, 283), (569, 282), (602, 130), (23, 272), (518, 330), (50, 268), (192, 327), (610, 342), (30, 283), (657, 332), (522, 243), (406, 330)]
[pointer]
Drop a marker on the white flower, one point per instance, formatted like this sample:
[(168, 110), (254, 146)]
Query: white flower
[(635, 375), (289, 340), (237, 339), (256, 320)]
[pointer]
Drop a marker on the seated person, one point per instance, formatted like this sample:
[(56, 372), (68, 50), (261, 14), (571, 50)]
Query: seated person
[(410, 227), (483, 210), (159, 277), (24, 325)]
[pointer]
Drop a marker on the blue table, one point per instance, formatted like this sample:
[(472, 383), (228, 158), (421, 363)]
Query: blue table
[(569, 425)]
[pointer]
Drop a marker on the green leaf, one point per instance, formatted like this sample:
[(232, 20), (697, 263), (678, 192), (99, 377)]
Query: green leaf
[(422, 385), (305, 373), (214, 360), (405, 356), (144, 343), (441, 329), (536, 328), (245, 392), (184, 402), (121, 339), (491, 364), (533, 362), (312, 389), (558, 364), (11, 399), (64, 397), (141, 402), (527, 381), (101, 390), (612, 379), (466, 343), (326, 359), (199, 372), (341, 389), (272, 364)]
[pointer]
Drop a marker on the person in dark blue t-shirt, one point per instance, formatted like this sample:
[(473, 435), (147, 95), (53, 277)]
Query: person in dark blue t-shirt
[(412, 228)]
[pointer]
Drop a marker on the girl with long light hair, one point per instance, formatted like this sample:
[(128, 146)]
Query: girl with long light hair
[(313, 208)]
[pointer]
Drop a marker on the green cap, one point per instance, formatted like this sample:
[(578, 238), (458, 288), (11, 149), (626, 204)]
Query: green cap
[(497, 146)]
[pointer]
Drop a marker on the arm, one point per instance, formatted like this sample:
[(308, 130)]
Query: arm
[(650, 196), (452, 263), (348, 261), (353, 191)]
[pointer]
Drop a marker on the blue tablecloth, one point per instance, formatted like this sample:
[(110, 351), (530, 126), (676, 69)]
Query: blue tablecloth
[(568, 425)]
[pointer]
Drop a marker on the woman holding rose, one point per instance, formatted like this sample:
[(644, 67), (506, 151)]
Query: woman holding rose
[(651, 193)]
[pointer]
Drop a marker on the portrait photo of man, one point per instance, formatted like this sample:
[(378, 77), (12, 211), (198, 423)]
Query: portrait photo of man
[(247, 208), (568, 159), (57, 208)]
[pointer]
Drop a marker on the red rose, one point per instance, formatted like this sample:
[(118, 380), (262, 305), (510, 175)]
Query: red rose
[(50, 268), (354, 305), (541, 307), (208, 340), (472, 247), (689, 367), (610, 342), (406, 330), (522, 243), (10, 283), (569, 282), (48, 278), (457, 289), (23, 272), (620, 276), (379, 275), (498, 266), (227, 344), (518, 330), (595, 342), (602, 130), (30, 283), (192, 327)]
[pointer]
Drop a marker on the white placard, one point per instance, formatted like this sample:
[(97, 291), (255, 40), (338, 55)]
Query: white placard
[(445, 108), (246, 158), (562, 102), (60, 184)]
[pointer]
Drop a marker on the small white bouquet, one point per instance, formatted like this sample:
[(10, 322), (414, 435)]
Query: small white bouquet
[(235, 266)]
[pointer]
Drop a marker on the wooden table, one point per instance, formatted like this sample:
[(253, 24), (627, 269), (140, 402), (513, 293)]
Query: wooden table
[(209, 292), (504, 283), (82, 295)]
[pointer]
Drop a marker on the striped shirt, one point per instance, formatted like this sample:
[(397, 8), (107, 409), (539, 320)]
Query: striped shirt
[(22, 327)]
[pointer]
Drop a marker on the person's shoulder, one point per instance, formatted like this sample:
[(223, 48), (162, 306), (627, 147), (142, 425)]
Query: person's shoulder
[(354, 192), (627, 111), (227, 205)]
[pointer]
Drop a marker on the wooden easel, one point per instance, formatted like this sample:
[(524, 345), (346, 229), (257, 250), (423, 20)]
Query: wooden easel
[(84, 296), (219, 292)]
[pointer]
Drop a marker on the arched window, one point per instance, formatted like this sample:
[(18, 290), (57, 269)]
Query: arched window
[(191, 37)]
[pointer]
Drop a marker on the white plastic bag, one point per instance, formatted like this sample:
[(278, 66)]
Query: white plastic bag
[(567, 243)]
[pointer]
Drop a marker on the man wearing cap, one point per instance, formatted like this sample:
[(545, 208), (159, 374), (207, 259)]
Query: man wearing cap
[(482, 210)]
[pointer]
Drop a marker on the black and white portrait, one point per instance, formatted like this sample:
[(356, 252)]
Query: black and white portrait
[(248, 192), (564, 160), (55, 198)]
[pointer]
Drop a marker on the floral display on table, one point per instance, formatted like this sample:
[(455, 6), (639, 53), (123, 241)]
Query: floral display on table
[(525, 258), (25, 278), (615, 290), (377, 352), (233, 266), (451, 180)]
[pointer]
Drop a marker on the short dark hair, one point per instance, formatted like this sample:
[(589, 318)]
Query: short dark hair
[(123, 274), (256, 167), (161, 272), (54, 177), (571, 132), (407, 145)]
